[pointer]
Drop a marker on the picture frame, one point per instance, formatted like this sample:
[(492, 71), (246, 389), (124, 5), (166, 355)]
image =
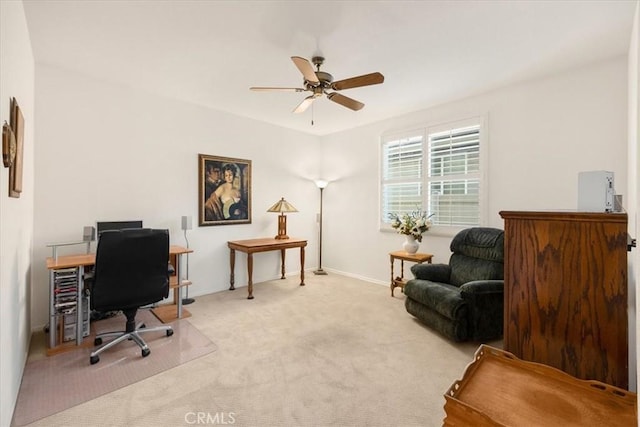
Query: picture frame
[(8, 145), (224, 190), (15, 170)]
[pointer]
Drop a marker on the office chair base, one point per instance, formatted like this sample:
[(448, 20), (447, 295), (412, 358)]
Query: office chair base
[(121, 336)]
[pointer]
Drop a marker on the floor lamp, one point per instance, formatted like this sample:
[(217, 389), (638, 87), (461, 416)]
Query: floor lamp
[(322, 184), (186, 225)]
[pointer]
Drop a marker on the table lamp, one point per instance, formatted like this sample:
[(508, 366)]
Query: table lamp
[(281, 207)]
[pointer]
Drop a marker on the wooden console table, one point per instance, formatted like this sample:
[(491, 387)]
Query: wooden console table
[(405, 256), (252, 246)]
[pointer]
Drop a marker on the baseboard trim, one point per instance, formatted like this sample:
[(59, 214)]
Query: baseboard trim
[(356, 276)]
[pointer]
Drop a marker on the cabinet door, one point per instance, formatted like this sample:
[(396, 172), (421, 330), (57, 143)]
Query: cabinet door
[(566, 293)]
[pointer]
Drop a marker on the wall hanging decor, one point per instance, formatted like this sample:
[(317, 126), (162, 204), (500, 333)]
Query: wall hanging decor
[(224, 195), (8, 145), (15, 170)]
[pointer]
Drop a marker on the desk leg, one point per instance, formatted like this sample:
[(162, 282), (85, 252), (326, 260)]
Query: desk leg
[(302, 266), (250, 274), (53, 319), (177, 292), (232, 261), (282, 257), (79, 307)]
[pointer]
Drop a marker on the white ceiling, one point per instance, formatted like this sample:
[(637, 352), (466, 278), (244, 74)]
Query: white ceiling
[(210, 52)]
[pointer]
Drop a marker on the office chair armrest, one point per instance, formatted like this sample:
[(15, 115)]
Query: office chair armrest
[(171, 270), (88, 277)]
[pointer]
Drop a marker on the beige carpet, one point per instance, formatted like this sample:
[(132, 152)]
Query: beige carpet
[(336, 352), (55, 383)]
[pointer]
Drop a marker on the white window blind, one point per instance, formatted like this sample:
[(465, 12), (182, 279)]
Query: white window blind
[(402, 175), (435, 169), (454, 177)]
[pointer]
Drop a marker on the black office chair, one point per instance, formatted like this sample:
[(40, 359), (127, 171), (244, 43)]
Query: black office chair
[(131, 271)]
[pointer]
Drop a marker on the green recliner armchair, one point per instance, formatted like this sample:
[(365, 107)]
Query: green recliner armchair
[(462, 300)]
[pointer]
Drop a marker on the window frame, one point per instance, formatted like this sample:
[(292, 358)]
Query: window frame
[(480, 120), (414, 132)]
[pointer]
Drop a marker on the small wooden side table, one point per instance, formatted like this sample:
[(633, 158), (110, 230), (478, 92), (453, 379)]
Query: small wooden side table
[(405, 256)]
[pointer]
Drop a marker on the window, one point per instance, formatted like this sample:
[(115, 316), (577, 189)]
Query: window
[(402, 169), (437, 169)]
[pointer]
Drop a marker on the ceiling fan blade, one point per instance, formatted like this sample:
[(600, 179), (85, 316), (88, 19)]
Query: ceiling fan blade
[(364, 80), (306, 69), (304, 104), (278, 89), (345, 101)]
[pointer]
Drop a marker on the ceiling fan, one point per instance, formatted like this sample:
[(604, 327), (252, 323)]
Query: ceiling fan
[(319, 82)]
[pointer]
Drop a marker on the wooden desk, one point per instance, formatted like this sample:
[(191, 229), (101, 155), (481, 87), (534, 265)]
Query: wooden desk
[(263, 245), (404, 256), (166, 313)]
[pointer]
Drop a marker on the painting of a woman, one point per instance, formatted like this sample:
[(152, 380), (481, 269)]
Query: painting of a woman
[(230, 201)]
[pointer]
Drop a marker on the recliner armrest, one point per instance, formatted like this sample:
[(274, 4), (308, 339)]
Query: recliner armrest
[(433, 272), (477, 287), (485, 302)]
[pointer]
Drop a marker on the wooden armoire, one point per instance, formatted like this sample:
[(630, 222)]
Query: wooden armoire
[(565, 290)]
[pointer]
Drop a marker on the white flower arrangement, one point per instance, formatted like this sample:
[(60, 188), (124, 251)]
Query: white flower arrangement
[(411, 224)]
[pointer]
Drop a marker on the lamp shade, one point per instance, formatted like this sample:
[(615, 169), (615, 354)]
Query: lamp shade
[(321, 183), (282, 206)]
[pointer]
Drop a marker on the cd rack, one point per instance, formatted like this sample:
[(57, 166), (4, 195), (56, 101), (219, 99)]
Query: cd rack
[(65, 294)]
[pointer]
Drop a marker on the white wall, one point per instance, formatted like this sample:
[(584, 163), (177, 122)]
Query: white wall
[(16, 214), (541, 134), (107, 152), (634, 184)]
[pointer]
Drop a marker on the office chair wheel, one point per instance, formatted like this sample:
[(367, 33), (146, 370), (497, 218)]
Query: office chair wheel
[(97, 341), (146, 352), (169, 332), (94, 359)]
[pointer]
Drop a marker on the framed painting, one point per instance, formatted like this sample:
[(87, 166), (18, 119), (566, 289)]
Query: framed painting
[(224, 195), (8, 145), (15, 170)]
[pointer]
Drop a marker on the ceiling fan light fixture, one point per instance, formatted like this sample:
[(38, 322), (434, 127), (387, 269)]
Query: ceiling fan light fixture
[(317, 82), (304, 104)]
